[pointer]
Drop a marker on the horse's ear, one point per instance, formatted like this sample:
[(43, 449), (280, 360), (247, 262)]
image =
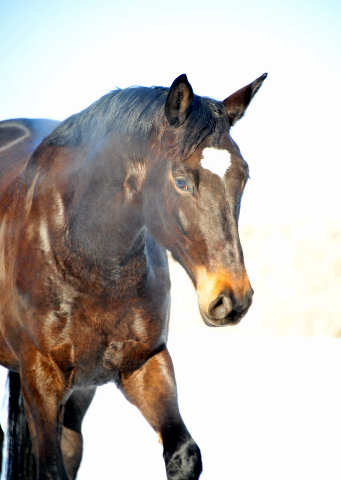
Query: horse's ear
[(179, 101), (237, 103)]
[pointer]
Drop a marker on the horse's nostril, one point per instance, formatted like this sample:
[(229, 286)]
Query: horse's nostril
[(220, 307)]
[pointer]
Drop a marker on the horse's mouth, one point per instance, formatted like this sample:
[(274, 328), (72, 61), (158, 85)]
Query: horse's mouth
[(233, 318)]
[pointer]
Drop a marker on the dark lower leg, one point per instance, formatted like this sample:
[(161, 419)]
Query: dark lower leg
[(72, 448), (181, 454), (152, 390), (72, 439)]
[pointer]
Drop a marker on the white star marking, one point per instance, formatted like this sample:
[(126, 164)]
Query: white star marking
[(218, 161)]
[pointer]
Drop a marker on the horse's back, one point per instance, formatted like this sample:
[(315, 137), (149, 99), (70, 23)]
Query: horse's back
[(18, 139)]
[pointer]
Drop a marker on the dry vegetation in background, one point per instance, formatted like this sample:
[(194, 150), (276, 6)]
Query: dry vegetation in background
[(295, 271)]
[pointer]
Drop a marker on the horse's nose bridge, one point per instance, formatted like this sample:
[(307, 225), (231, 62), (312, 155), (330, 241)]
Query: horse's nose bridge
[(234, 247)]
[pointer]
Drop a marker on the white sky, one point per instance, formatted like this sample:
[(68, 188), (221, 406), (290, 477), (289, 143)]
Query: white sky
[(57, 57)]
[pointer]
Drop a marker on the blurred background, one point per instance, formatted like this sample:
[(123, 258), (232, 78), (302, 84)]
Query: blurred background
[(262, 399)]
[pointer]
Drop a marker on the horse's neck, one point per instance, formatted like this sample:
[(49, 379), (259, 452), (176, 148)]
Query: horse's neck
[(105, 231)]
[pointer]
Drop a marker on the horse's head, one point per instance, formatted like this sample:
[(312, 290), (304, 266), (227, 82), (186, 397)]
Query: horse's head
[(193, 193)]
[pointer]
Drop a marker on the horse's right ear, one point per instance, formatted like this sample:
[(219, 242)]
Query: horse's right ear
[(237, 103), (179, 101)]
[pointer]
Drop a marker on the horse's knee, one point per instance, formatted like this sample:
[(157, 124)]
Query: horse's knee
[(184, 463), (72, 448)]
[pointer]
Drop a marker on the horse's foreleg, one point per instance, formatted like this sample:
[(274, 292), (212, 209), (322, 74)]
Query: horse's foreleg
[(152, 390), (72, 439), (44, 396)]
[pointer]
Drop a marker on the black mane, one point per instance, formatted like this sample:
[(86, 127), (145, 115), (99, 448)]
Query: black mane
[(134, 111)]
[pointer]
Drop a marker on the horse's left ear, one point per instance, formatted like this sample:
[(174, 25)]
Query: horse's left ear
[(237, 103), (179, 101)]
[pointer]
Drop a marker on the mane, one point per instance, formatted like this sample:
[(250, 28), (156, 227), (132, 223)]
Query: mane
[(136, 111)]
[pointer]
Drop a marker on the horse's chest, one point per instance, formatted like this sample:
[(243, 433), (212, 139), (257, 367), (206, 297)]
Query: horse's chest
[(113, 340)]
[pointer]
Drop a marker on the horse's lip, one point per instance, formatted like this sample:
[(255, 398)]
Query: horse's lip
[(224, 322)]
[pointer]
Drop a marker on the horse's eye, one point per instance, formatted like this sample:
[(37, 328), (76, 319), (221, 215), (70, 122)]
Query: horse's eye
[(181, 183)]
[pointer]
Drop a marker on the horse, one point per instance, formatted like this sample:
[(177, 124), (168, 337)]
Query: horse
[(88, 210)]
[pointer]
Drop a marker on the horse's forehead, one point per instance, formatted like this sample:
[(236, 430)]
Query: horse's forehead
[(216, 160)]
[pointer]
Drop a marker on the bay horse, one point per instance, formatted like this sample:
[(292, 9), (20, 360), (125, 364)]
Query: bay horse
[(88, 209)]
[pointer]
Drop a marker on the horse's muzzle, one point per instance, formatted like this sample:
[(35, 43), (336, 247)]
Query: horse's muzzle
[(223, 300), (224, 310)]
